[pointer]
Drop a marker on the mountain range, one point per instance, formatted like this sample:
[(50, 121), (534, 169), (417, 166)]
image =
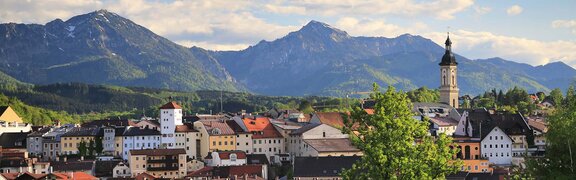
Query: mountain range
[(102, 47)]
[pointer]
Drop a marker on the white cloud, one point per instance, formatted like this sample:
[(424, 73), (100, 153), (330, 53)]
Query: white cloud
[(479, 10), (479, 45), (212, 46), (570, 24), (439, 9), (368, 27), (514, 10), (285, 9)]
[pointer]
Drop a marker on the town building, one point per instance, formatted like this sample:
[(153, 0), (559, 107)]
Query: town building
[(70, 141), (470, 153), (139, 138), (188, 138), (226, 158), (243, 137), (170, 117), (34, 142), (165, 163), (265, 138), (320, 140), (121, 170), (215, 135)]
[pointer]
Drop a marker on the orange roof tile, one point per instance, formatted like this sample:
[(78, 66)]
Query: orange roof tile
[(369, 111), (83, 176), (333, 119), (61, 176), (10, 175), (261, 127), (187, 127), (171, 105)]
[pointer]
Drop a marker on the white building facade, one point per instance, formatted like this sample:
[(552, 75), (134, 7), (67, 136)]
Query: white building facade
[(497, 147), (170, 117)]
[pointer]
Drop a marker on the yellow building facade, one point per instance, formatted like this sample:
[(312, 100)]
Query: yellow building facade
[(164, 163)]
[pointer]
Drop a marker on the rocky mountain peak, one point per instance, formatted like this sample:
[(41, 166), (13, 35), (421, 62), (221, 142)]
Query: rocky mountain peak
[(320, 29)]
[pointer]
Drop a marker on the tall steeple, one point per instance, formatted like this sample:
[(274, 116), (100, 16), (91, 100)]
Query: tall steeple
[(448, 76), (448, 58)]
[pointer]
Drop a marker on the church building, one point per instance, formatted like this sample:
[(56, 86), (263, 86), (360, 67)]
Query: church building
[(448, 79)]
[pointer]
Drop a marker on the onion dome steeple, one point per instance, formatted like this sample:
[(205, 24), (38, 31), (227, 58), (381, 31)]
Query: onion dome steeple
[(448, 59)]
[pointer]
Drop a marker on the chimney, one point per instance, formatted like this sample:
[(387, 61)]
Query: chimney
[(65, 158), (81, 158)]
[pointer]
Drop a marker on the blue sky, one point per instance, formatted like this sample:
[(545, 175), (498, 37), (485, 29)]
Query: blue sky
[(528, 31)]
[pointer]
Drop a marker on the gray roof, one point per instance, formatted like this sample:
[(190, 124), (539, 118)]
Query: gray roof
[(304, 129), (332, 145), (40, 132), (10, 140), (330, 166), (136, 131), (83, 131)]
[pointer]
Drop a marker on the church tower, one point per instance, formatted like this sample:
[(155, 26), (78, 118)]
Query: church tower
[(448, 81)]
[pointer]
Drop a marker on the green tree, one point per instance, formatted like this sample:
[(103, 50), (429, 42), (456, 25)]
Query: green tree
[(99, 147), (558, 161), (395, 145), (82, 149), (556, 96), (91, 148), (424, 94), (305, 106)]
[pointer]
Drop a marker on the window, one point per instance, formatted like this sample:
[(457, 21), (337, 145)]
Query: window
[(233, 157)]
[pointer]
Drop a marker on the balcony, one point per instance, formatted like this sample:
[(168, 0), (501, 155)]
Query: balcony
[(165, 161), (169, 168)]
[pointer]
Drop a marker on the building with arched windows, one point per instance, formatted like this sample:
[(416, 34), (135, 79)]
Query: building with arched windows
[(448, 77)]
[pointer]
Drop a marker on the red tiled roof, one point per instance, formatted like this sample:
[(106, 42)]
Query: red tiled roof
[(171, 105), (210, 125), (261, 127), (187, 127), (444, 121), (226, 154), (10, 176), (540, 126), (369, 111), (144, 175), (83, 176), (205, 171), (333, 119), (62, 176), (253, 169), (157, 152)]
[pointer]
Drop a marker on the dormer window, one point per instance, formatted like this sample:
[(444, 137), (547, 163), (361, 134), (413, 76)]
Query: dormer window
[(216, 131), (233, 157)]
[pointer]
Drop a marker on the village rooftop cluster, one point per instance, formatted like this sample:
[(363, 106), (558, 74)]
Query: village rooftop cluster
[(251, 146)]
